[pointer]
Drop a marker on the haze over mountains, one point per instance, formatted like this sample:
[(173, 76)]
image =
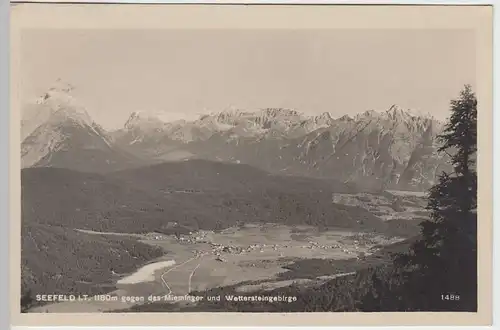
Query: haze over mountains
[(390, 149)]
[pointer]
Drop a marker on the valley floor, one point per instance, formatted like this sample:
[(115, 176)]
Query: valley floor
[(251, 258)]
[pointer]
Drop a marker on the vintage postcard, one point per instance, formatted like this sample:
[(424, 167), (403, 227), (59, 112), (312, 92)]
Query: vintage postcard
[(199, 164)]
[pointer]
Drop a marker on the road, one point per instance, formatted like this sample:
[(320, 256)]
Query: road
[(174, 279)]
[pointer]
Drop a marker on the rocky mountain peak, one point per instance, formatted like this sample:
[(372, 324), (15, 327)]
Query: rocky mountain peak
[(279, 112), (140, 119), (55, 106), (345, 118), (323, 119), (60, 92)]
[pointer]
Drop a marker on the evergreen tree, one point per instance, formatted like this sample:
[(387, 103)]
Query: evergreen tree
[(440, 272)]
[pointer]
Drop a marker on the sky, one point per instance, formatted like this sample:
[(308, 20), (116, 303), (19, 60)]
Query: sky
[(183, 73)]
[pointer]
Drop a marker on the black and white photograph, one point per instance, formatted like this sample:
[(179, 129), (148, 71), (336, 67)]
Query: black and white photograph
[(249, 170)]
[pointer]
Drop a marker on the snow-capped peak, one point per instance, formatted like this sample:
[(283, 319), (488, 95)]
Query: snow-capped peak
[(54, 106), (142, 118), (280, 112), (346, 118), (394, 113), (323, 119), (61, 85), (156, 119), (397, 113), (59, 92), (56, 121), (325, 115)]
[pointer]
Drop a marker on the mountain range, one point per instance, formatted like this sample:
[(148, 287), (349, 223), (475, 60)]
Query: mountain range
[(376, 150)]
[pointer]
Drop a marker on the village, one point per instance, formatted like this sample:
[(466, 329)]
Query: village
[(357, 246)]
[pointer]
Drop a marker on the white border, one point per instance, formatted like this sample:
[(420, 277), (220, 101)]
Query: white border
[(4, 145), (4, 154), (274, 2)]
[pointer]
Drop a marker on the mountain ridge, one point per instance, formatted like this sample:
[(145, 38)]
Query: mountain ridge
[(396, 148)]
